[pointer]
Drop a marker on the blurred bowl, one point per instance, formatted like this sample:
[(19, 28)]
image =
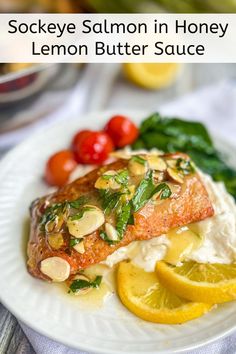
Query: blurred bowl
[(19, 85)]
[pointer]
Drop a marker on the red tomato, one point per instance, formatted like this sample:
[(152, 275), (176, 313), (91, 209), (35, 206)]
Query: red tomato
[(78, 137), (122, 131), (58, 168), (93, 148)]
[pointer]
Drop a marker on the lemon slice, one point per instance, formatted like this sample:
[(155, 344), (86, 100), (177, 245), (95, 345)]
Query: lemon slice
[(209, 283), (143, 295), (151, 75)]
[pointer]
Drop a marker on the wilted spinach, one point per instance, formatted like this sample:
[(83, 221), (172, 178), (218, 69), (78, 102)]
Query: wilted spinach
[(174, 134)]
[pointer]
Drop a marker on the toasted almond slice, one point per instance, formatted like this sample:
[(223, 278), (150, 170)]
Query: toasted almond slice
[(129, 195), (104, 183), (131, 189), (56, 268), (80, 247), (156, 163), (88, 223), (55, 225), (84, 290), (159, 176), (171, 163), (111, 232), (55, 240), (175, 175), (137, 168)]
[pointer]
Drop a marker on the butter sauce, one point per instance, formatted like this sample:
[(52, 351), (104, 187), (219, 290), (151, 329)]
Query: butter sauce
[(95, 297)]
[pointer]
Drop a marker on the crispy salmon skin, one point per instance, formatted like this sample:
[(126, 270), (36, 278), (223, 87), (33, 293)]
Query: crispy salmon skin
[(131, 199)]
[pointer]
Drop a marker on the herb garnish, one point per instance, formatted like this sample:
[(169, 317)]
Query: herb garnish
[(105, 238), (109, 200), (185, 166), (79, 284), (122, 177), (75, 241), (80, 214), (107, 177), (122, 219), (76, 204), (143, 192), (54, 210), (139, 159), (146, 190), (165, 191)]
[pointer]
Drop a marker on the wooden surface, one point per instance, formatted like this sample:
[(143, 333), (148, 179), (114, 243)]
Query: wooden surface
[(12, 338)]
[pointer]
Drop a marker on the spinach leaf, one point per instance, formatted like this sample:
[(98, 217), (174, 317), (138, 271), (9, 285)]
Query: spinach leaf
[(143, 192), (109, 200), (122, 177), (122, 219), (165, 191), (80, 214), (76, 204), (176, 133), (79, 284)]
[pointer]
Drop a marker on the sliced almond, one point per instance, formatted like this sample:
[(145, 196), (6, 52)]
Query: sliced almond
[(55, 225), (129, 195), (104, 183), (55, 240), (87, 224), (171, 163), (84, 290), (111, 232), (175, 175), (131, 189), (56, 268), (156, 163), (80, 247), (159, 176), (137, 168)]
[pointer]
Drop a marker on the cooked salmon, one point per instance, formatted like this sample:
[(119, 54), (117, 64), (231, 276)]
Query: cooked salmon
[(178, 198)]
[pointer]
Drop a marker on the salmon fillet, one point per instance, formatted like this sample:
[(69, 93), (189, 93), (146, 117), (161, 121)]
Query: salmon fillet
[(189, 202)]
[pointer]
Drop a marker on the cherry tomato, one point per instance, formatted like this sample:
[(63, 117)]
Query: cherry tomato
[(122, 131), (93, 148), (58, 168), (78, 137)]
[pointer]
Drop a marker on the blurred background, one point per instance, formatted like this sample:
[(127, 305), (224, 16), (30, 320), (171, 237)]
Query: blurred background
[(118, 6)]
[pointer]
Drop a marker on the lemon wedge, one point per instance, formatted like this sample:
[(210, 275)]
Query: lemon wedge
[(209, 283), (143, 295), (151, 75)]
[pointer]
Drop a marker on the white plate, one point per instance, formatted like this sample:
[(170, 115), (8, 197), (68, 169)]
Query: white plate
[(110, 329)]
